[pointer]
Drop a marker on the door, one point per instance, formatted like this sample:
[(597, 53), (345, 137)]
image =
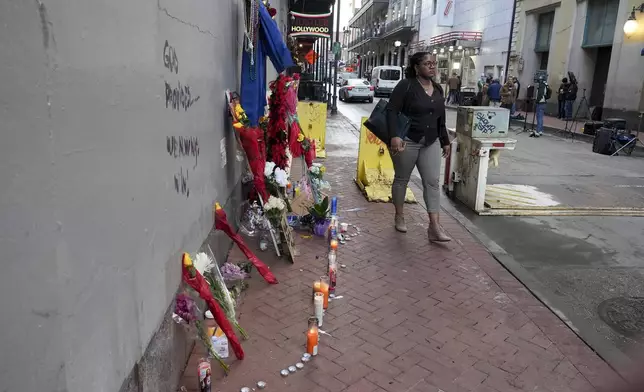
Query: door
[(598, 89)]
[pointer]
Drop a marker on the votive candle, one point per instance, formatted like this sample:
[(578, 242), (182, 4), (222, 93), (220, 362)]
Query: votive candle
[(312, 337), (318, 305)]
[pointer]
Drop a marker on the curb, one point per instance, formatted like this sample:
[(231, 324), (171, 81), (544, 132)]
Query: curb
[(614, 357)]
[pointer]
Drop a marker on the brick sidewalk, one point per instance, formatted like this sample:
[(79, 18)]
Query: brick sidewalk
[(413, 317)]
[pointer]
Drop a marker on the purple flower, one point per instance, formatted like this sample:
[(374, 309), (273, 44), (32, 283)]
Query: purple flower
[(185, 307), (232, 272)]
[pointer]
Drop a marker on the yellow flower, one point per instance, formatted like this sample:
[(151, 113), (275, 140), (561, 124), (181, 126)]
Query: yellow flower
[(322, 169), (300, 137), (238, 125)]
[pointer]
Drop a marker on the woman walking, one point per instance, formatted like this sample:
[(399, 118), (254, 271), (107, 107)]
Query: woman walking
[(421, 99)]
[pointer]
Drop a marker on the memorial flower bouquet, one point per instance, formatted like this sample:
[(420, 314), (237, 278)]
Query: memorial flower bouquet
[(273, 210), (221, 294), (187, 313)]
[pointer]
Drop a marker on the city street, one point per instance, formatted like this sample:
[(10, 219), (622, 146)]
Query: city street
[(587, 269)]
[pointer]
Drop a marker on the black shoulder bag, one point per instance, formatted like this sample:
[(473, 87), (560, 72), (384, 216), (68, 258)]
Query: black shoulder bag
[(377, 122)]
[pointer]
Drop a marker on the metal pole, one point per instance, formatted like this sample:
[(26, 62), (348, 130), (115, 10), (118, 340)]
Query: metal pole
[(334, 106), (507, 60)]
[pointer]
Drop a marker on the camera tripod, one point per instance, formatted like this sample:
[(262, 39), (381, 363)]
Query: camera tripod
[(525, 118), (571, 124)]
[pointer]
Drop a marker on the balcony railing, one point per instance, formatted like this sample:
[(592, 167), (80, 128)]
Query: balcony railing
[(398, 23), (368, 34)]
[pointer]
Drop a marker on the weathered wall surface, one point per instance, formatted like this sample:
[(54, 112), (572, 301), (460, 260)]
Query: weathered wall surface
[(109, 164)]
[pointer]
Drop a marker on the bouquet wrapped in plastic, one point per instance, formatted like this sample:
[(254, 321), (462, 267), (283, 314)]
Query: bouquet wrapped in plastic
[(222, 296)]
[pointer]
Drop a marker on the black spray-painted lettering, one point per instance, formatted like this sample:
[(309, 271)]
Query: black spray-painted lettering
[(483, 123), (179, 97), (170, 59), (181, 182), (180, 146)]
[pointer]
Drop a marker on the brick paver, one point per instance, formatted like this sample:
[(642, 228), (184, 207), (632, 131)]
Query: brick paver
[(413, 316)]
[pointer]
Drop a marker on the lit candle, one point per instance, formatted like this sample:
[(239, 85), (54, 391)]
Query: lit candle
[(324, 289), (318, 304), (312, 337)]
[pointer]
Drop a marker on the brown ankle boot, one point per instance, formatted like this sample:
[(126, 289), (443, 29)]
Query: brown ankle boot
[(436, 234), (399, 222)]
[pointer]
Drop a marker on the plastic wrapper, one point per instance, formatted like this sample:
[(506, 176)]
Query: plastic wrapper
[(252, 219)]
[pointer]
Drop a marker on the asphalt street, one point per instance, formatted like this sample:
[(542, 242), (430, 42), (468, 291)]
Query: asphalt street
[(589, 270)]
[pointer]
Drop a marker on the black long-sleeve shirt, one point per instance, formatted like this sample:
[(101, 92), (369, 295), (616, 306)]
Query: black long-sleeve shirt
[(426, 113)]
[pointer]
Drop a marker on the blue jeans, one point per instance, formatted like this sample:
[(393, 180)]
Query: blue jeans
[(569, 108), (514, 108), (540, 110)]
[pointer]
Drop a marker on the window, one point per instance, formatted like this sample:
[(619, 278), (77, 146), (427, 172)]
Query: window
[(544, 31), (434, 6), (390, 74), (601, 18)]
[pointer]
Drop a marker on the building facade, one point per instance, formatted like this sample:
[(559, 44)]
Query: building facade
[(585, 37), (382, 32), (469, 37)]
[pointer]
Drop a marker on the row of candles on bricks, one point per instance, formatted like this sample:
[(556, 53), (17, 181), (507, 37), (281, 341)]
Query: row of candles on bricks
[(323, 291)]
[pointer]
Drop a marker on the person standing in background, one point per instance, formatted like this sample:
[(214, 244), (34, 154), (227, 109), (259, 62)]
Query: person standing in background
[(571, 96), (452, 84), (515, 84), (543, 95), (485, 99), (561, 93), (507, 95), (494, 93)]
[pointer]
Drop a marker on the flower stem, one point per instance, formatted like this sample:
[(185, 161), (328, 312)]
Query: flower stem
[(205, 339)]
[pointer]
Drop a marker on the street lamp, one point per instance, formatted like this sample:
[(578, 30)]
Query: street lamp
[(442, 50), (434, 51), (460, 47), (631, 25), (451, 48), (397, 44)]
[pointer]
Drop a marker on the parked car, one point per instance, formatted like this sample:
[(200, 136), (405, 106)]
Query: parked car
[(356, 90), (385, 78), (344, 76)]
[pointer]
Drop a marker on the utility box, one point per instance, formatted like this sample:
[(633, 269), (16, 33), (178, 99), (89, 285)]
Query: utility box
[(480, 133), (483, 122)]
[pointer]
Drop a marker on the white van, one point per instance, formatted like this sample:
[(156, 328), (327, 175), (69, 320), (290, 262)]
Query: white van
[(385, 78)]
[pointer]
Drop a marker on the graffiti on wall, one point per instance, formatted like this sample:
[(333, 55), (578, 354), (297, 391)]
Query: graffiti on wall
[(179, 97), (170, 59), (483, 123), (179, 147)]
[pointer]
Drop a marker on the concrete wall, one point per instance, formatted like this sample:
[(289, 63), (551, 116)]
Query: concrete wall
[(623, 97), (625, 91), (91, 226), (491, 17)]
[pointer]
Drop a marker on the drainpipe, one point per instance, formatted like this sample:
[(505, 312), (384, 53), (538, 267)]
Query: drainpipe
[(507, 60), (334, 105)]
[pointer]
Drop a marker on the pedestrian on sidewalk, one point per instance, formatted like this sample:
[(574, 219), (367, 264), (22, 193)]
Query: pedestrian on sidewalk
[(516, 85), (543, 95), (563, 90), (494, 93), (485, 99), (571, 96), (421, 99), (452, 84), (507, 95)]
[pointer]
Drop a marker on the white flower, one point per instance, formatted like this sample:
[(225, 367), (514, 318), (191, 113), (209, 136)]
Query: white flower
[(281, 177), (203, 263), (315, 169), (274, 203), (268, 169)]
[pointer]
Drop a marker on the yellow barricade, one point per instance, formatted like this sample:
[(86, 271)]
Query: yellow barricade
[(312, 116), (375, 172)]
